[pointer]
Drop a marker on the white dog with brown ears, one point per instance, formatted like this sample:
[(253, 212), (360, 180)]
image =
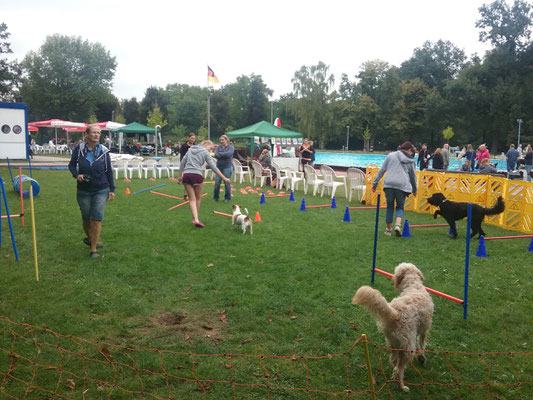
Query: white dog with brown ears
[(405, 321), (241, 219)]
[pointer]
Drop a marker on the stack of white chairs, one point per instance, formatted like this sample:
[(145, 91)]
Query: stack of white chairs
[(174, 164), (119, 165), (356, 182), (134, 165), (162, 166), (149, 166), (240, 171), (331, 181), (311, 178)]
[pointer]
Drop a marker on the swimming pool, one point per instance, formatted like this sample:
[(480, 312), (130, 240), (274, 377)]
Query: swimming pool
[(362, 160)]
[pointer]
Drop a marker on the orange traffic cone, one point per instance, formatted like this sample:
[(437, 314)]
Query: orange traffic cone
[(257, 217), (128, 190)]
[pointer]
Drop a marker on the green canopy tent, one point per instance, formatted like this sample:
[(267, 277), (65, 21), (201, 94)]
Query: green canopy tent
[(262, 129), (134, 128)]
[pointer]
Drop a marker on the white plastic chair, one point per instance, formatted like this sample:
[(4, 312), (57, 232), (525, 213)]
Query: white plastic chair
[(357, 182), (162, 166), (281, 175), (294, 178), (134, 165), (174, 165), (120, 165), (148, 165), (311, 178), (329, 181), (259, 171), (240, 170)]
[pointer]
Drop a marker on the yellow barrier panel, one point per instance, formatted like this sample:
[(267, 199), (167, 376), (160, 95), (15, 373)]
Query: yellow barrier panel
[(467, 187)]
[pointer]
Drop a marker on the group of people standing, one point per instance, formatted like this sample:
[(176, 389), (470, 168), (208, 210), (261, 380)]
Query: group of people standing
[(441, 157)]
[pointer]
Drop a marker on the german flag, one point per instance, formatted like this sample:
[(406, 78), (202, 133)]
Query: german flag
[(211, 77)]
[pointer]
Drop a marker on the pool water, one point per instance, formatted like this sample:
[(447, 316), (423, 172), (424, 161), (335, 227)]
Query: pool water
[(362, 160)]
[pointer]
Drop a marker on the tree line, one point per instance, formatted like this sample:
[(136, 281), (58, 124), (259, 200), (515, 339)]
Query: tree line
[(438, 95)]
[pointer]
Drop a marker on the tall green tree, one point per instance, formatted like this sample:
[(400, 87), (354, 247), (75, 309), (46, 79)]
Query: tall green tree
[(153, 97), (312, 87), (9, 70), (66, 77), (186, 108), (130, 110), (248, 100), (505, 25), (434, 63)]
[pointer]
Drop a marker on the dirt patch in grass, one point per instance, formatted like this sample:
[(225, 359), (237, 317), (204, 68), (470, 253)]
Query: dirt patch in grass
[(202, 325)]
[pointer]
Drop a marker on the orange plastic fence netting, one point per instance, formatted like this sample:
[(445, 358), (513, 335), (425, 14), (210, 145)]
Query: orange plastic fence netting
[(468, 187), (39, 363)]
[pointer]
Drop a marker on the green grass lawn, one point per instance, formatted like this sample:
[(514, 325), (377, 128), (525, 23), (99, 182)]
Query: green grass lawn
[(285, 292)]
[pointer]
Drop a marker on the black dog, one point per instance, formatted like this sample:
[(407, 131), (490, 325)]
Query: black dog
[(453, 211)]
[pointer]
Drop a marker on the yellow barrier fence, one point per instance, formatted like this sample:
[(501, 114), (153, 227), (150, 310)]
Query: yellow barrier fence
[(468, 187)]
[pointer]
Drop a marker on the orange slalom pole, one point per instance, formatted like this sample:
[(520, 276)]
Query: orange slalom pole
[(436, 292), (277, 195), (185, 202), (21, 197), (166, 195), (508, 237), (324, 205), (12, 216), (224, 214)]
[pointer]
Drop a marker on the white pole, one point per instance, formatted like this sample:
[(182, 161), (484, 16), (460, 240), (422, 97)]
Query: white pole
[(347, 136), (519, 124)]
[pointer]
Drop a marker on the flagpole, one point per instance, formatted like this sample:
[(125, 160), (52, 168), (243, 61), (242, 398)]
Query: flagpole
[(208, 108)]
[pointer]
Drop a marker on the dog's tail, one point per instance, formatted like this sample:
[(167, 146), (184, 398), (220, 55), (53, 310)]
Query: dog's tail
[(246, 210), (374, 301), (498, 208)]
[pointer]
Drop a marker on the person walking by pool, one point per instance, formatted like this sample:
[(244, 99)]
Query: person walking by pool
[(185, 148), (528, 161), (423, 157), (191, 175), (90, 164), (400, 181), (511, 156), (445, 156), (438, 159), (224, 155), (470, 155)]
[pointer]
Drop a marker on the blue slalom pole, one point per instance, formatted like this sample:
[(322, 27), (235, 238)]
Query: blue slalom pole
[(467, 260), (29, 164), (150, 188), (3, 189), (375, 240), (10, 173)]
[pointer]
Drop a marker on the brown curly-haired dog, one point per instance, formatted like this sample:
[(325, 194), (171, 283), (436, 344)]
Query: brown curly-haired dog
[(405, 321)]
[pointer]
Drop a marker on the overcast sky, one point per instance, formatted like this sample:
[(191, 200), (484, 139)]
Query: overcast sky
[(161, 42)]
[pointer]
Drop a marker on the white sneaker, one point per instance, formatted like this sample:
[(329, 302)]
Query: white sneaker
[(388, 232), (398, 230)]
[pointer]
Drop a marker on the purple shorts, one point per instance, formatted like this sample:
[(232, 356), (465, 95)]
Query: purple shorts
[(192, 179)]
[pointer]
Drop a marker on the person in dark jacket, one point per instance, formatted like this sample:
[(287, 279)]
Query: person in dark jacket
[(423, 157), (224, 155), (470, 155), (90, 164), (438, 160)]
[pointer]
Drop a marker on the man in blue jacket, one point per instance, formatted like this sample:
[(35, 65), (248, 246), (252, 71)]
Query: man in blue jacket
[(224, 155)]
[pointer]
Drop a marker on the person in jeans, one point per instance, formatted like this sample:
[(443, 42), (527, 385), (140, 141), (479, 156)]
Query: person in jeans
[(224, 155), (400, 181), (90, 164)]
